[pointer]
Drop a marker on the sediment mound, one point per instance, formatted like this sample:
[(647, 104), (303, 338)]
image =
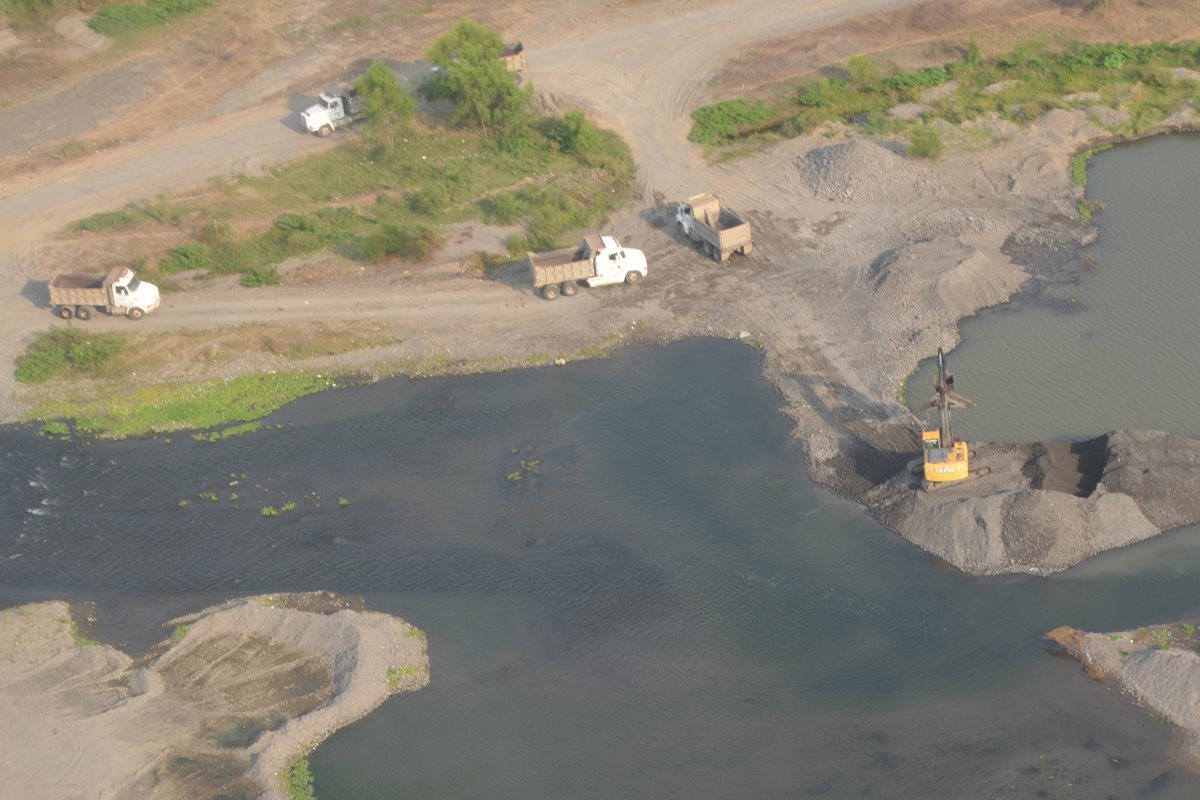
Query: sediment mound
[(863, 171), (217, 710), (1046, 507), (1157, 665)]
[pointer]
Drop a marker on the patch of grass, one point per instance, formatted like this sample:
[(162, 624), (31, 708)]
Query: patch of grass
[(355, 22), (68, 351), (108, 221), (1034, 79), (261, 276), (343, 502), (1080, 161), (925, 142), (288, 506), (298, 780), (178, 633), (415, 633), (187, 256), (396, 674), (184, 503), (55, 430), (269, 511), (127, 18), (207, 404)]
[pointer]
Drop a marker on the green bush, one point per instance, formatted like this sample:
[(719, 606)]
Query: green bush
[(261, 276), (725, 121), (190, 255), (67, 349), (298, 782), (413, 241), (823, 93), (925, 142)]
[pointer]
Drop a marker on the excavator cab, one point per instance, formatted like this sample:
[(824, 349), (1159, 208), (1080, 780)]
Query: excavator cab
[(945, 458)]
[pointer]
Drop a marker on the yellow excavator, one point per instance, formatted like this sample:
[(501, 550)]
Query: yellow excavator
[(946, 459)]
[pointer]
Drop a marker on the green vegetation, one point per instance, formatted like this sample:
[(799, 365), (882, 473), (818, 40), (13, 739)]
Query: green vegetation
[(34, 13), (1024, 83), (414, 633), (298, 780), (178, 634), (269, 511), (68, 351), (471, 75), (79, 639), (261, 276), (126, 18), (352, 23), (396, 674), (343, 502), (925, 142), (208, 404), (288, 506), (55, 430), (1080, 161), (109, 221), (387, 105)]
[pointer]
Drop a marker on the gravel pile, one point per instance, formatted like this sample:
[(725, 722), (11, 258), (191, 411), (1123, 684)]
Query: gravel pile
[(862, 171)]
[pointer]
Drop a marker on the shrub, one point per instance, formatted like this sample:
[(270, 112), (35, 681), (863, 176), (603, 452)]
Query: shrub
[(190, 255), (824, 92), (63, 349), (261, 276), (725, 121), (862, 71), (925, 142), (298, 782), (415, 242)]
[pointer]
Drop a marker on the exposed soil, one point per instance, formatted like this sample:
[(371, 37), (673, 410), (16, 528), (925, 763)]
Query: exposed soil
[(215, 711)]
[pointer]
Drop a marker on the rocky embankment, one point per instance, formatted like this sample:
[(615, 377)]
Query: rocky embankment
[(1158, 666), (217, 710), (1045, 507)]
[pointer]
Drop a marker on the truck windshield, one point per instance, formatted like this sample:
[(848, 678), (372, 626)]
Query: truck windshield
[(134, 284)]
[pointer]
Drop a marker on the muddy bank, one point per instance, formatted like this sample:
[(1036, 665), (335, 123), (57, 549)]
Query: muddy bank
[(1044, 507), (1157, 666), (218, 709)]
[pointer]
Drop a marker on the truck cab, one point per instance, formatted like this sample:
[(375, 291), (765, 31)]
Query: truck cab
[(613, 263), (128, 292), (333, 109)]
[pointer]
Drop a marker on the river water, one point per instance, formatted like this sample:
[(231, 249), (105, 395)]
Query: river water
[(662, 606)]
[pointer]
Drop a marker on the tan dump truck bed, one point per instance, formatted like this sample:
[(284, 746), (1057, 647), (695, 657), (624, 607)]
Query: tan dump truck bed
[(81, 289), (719, 226), (513, 57), (567, 264)]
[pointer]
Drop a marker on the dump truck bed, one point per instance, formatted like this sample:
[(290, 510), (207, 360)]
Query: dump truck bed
[(78, 289), (717, 224), (566, 264), (513, 57)]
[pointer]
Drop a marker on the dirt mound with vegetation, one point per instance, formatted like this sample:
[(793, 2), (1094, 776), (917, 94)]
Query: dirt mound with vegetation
[(1045, 507), (224, 707), (1158, 666)]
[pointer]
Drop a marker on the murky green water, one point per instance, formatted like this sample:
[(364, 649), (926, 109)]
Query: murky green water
[(666, 608), (1126, 354)]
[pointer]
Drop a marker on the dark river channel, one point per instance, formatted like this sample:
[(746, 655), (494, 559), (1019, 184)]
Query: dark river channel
[(662, 606)]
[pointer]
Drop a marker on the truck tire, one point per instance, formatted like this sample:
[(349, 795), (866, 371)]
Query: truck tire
[(325, 131), (550, 292), (632, 277), (83, 313), (569, 289), (65, 312), (135, 314)]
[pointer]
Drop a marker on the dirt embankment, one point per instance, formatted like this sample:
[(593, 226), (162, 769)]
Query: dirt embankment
[(1157, 666), (218, 709)]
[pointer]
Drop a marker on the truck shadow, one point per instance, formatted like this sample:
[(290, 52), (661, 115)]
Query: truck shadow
[(513, 274), (37, 293)]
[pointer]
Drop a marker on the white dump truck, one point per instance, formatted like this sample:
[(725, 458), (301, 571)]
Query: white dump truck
[(74, 294), (333, 109), (598, 261), (720, 232)]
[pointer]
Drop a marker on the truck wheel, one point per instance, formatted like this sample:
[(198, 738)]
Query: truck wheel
[(65, 312), (325, 131), (135, 313), (83, 313), (550, 292), (569, 289), (632, 277)]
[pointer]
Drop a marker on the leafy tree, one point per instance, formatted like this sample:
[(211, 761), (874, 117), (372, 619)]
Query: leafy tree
[(385, 101), (468, 71), (862, 71)]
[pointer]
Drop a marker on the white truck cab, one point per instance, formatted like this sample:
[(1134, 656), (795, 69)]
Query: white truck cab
[(613, 263), (332, 110)]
